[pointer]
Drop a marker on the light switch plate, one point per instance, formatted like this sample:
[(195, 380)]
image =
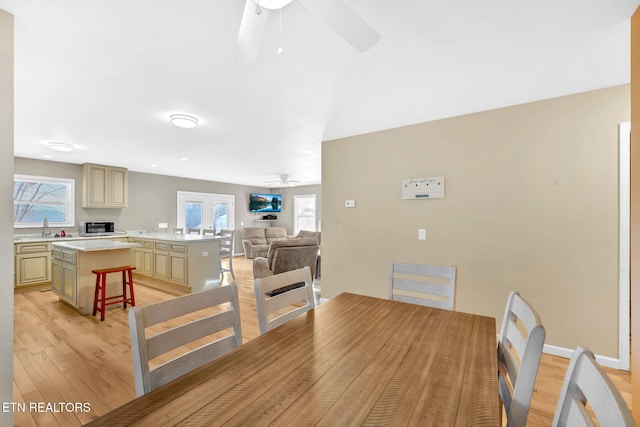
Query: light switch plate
[(422, 234), (163, 225)]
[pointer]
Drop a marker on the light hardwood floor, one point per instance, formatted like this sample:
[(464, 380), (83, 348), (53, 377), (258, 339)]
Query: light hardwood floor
[(62, 356)]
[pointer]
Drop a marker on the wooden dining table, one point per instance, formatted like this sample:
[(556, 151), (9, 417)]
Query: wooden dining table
[(354, 360)]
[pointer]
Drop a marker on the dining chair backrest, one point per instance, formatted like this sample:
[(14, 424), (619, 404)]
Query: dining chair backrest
[(226, 239), (281, 297), (208, 231), (586, 383), (178, 230), (218, 309), (433, 286), (194, 230), (519, 351)]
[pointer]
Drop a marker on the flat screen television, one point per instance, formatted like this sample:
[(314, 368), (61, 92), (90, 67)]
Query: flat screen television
[(265, 202)]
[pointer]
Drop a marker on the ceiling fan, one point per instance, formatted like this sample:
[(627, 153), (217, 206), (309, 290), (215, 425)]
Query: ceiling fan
[(284, 181), (335, 13)]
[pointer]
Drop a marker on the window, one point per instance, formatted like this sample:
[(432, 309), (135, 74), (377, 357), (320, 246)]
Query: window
[(193, 214), (205, 210), (37, 197), (304, 216)]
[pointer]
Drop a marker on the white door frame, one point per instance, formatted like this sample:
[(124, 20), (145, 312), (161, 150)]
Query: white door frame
[(624, 254)]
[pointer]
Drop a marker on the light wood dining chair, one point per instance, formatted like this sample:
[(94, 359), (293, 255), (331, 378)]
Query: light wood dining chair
[(586, 383), (178, 230), (429, 285), (220, 311), (281, 297), (227, 245), (194, 230), (208, 232), (519, 351)]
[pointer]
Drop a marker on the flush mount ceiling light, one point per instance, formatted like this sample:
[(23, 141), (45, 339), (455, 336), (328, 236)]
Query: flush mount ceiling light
[(271, 4), (61, 146), (184, 120)]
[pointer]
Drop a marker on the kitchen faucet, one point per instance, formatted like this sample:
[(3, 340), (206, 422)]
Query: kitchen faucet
[(45, 226)]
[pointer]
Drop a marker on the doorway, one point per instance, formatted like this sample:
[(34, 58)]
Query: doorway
[(624, 252)]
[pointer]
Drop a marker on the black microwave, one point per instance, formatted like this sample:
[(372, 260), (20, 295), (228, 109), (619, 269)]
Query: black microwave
[(96, 228)]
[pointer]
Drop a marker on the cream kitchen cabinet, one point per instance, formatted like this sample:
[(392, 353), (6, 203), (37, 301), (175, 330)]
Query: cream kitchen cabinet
[(143, 257), (64, 275), (32, 263), (161, 261), (178, 263), (187, 262), (104, 186), (170, 262)]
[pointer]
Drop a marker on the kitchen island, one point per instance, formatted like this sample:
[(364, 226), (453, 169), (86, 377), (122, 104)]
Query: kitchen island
[(189, 263), (71, 265), (186, 262)]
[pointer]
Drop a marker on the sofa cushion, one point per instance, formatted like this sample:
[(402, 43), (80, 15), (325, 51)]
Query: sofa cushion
[(255, 235), (307, 233), (273, 234), (307, 241)]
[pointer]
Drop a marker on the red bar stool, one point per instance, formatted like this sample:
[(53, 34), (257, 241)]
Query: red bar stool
[(100, 299)]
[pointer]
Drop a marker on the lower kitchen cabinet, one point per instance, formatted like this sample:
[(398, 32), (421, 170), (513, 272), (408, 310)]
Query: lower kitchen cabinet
[(143, 257), (192, 264), (64, 275), (33, 263), (178, 268)]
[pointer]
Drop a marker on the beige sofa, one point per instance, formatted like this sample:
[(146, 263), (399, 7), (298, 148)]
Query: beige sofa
[(287, 255), (256, 240)]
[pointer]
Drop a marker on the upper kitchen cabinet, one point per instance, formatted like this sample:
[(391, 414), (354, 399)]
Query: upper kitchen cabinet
[(104, 186)]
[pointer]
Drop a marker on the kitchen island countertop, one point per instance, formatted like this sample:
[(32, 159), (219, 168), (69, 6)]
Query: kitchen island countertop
[(95, 245), (172, 237)]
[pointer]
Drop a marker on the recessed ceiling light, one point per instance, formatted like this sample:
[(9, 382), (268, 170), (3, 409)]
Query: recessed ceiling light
[(61, 146), (154, 166), (183, 159), (46, 156), (184, 120)]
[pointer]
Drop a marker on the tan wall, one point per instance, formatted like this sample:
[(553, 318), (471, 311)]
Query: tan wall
[(531, 204), (6, 211), (635, 214)]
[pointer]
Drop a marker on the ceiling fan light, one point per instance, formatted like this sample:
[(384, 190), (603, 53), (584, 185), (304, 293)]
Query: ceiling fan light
[(184, 120), (61, 146)]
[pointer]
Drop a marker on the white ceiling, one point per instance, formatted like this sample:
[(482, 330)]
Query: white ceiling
[(105, 74)]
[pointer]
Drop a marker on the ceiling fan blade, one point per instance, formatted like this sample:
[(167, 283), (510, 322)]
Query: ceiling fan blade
[(348, 24), (250, 34)]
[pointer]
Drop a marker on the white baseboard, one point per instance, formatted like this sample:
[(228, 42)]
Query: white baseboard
[(609, 362)]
